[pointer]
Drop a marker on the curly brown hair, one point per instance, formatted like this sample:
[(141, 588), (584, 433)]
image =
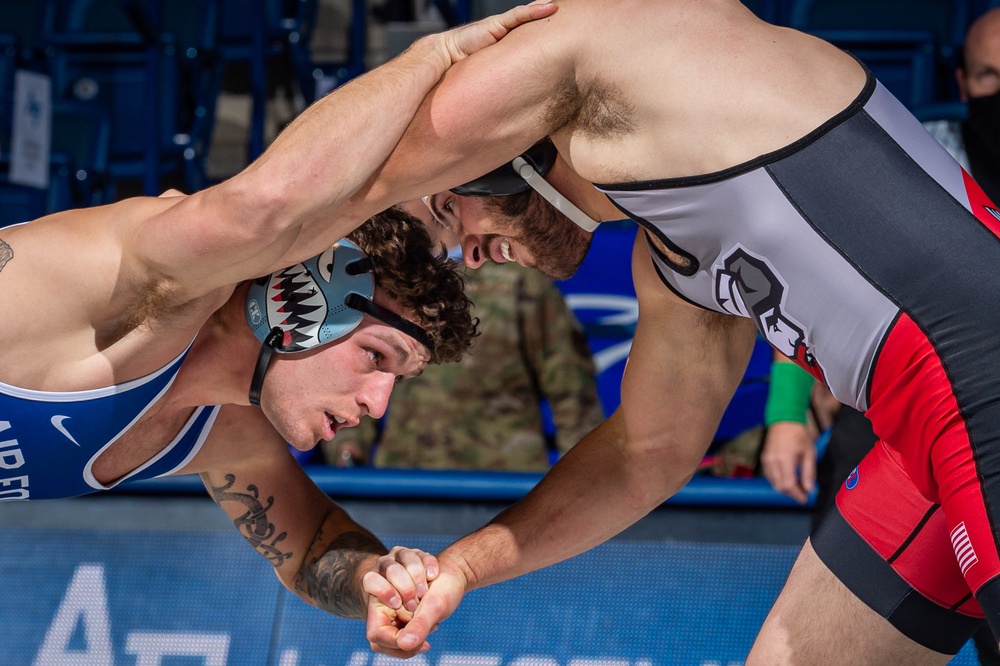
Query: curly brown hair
[(421, 279)]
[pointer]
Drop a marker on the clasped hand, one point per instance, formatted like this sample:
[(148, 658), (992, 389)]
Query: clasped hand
[(410, 593)]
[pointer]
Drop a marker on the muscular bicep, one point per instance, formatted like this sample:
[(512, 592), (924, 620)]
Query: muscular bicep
[(210, 239), (486, 110), (683, 369)]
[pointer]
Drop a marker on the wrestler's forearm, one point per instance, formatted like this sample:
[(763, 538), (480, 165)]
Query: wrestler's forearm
[(594, 492), (330, 576), (283, 207), (325, 568)]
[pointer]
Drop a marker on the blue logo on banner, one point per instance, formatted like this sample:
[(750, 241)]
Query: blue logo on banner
[(852, 479)]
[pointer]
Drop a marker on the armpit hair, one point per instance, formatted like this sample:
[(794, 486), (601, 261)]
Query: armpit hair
[(716, 322), (159, 299), (596, 108), (152, 301)]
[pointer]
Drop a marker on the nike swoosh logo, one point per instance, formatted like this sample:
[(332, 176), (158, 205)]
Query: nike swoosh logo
[(57, 423)]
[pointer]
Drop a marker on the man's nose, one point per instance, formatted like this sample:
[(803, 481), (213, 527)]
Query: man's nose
[(375, 399), (473, 251)]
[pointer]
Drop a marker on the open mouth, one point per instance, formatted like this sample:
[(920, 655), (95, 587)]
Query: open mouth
[(335, 422), (505, 250)]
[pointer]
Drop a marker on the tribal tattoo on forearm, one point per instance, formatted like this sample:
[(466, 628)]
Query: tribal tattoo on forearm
[(6, 254), (254, 524), (328, 579)]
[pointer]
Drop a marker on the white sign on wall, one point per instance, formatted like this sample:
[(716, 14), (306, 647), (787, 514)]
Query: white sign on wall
[(32, 130)]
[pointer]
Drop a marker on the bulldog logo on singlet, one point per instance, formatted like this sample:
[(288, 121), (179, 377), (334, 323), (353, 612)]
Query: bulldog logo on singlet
[(748, 286)]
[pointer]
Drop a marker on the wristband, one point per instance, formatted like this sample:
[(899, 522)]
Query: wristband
[(788, 394)]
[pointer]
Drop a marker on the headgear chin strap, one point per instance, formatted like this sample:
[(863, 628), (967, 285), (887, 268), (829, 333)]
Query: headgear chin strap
[(313, 303), (528, 170)]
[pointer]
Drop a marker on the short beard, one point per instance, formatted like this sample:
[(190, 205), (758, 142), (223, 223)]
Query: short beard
[(555, 241)]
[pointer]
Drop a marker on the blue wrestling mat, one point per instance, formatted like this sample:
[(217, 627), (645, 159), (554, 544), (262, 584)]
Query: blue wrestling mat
[(121, 596)]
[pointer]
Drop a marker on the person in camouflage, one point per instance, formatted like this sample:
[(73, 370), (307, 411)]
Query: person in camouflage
[(484, 412)]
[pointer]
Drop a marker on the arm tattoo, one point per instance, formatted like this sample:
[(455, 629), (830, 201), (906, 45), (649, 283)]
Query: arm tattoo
[(328, 579), (6, 254), (254, 524)]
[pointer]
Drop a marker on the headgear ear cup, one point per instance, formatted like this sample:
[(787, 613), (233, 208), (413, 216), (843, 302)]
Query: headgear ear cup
[(505, 180)]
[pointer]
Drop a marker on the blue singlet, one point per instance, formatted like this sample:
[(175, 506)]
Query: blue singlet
[(50, 440)]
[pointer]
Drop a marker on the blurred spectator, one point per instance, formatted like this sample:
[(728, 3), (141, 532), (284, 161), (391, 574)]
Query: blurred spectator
[(486, 412), (975, 141)]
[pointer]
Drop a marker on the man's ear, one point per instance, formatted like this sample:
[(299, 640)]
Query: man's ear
[(172, 193), (960, 75)]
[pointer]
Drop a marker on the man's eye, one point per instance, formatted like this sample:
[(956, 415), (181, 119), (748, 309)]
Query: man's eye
[(449, 221)]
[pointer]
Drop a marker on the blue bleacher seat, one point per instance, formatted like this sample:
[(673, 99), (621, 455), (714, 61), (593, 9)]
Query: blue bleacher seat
[(81, 134), (903, 61), (152, 65), (258, 32), (946, 19), (125, 83), (22, 203), (909, 44), (29, 22), (954, 110), (328, 74), (77, 168), (8, 65)]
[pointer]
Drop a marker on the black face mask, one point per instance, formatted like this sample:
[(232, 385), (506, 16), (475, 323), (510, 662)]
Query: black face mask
[(981, 134)]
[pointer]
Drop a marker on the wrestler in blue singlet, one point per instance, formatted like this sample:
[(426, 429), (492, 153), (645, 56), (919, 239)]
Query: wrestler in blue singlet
[(50, 440)]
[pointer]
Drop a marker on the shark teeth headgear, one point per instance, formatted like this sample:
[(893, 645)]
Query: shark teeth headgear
[(307, 301), (313, 303)]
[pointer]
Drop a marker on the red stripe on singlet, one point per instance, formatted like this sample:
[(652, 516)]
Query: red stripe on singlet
[(981, 204), (934, 449)]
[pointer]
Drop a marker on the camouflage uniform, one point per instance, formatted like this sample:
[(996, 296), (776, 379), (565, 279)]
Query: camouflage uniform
[(483, 413)]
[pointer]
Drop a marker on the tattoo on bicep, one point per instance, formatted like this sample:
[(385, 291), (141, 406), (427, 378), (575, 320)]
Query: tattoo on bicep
[(6, 254), (254, 524), (328, 579)]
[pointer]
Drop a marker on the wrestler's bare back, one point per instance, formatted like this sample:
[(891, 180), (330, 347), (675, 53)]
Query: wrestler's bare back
[(77, 313)]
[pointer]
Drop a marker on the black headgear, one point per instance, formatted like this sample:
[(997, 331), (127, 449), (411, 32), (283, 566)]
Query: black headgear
[(524, 171), (505, 180)]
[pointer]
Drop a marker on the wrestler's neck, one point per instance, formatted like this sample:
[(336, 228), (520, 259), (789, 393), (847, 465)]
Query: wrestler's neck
[(581, 192), (218, 369)]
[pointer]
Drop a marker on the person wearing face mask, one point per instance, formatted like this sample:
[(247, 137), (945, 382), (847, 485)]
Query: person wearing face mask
[(975, 141)]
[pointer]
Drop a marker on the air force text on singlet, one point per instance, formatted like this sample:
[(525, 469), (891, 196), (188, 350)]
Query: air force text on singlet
[(12, 485)]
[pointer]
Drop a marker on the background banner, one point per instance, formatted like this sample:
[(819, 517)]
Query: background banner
[(161, 598)]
